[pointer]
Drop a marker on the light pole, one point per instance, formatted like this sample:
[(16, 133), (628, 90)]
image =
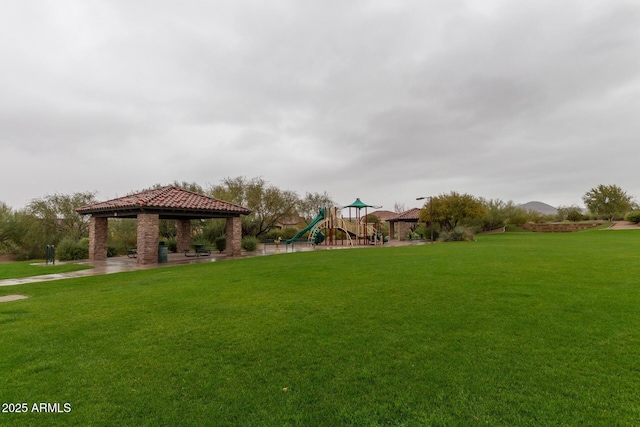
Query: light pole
[(430, 212)]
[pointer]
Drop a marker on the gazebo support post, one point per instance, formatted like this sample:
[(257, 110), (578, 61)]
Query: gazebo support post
[(148, 229), (98, 227), (234, 236), (183, 235)]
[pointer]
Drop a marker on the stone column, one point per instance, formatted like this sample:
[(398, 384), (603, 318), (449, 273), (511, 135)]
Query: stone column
[(148, 229), (234, 236), (403, 229), (98, 238), (392, 230), (183, 234)]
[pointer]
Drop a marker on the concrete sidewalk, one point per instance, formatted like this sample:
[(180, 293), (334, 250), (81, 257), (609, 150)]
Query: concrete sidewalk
[(109, 266), (124, 264)]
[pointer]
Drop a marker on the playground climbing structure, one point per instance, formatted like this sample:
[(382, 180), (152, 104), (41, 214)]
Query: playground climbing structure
[(333, 229)]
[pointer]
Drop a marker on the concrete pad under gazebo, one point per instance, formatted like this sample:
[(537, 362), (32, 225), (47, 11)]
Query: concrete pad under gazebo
[(149, 207)]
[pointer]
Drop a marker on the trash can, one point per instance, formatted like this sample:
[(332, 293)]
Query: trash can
[(163, 253)]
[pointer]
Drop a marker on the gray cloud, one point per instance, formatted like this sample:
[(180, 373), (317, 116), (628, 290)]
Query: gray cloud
[(384, 101)]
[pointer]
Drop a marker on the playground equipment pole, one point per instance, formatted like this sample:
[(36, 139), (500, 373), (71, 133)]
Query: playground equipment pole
[(430, 212)]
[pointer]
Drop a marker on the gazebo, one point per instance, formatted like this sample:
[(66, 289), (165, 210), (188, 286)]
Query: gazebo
[(404, 222), (149, 207)]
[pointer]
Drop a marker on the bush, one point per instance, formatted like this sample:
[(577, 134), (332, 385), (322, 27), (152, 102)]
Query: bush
[(458, 234), (250, 243), (425, 232), (273, 235), (412, 235), (70, 250), (633, 216), (221, 243), (213, 229), (172, 244), (112, 251), (288, 233)]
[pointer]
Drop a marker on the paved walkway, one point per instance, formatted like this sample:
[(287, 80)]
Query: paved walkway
[(123, 264), (624, 225), (110, 266)]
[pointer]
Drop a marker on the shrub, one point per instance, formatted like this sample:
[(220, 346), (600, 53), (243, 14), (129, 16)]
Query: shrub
[(412, 235), (112, 251), (213, 229), (633, 216), (288, 233), (69, 250), (172, 244), (221, 243), (274, 234), (425, 232), (250, 243), (458, 234)]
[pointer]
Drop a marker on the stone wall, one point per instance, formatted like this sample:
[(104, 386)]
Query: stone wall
[(559, 227), (148, 228)]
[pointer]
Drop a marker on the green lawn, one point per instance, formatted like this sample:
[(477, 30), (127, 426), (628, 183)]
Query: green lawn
[(16, 270), (527, 329)]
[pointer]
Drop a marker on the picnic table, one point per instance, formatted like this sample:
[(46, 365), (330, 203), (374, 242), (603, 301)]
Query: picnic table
[(199, 250)]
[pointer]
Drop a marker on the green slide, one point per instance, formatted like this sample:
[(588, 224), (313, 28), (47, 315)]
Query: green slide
[(316, 220)]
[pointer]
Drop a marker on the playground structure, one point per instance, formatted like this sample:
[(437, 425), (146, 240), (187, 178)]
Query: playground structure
[(325, 228)]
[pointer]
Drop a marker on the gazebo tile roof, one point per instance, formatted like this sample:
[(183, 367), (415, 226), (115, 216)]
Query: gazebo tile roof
[(410, 215), (165, 198)]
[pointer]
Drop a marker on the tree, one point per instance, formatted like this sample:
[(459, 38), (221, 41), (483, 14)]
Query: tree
[(497, 213), (609, 201), (7, 227), (58, 216), (399, 207), (267, 203), (453, 209), (569, 213), (309, 207)]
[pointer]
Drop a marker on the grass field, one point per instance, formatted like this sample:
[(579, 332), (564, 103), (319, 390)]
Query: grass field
[(18, 270), (524, 329)]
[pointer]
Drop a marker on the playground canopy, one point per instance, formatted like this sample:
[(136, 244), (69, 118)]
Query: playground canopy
[(359, 204)]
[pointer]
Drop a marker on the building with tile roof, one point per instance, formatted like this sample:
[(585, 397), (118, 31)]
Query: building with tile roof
[(149, 207), (404, 222)]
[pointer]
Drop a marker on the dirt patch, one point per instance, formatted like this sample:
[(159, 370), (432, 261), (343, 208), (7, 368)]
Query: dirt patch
[(16, 297)]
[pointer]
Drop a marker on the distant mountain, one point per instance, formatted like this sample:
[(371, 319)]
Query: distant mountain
[(540, 207)]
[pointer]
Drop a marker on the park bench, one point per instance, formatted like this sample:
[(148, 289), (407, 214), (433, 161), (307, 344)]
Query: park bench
[(132, 253)]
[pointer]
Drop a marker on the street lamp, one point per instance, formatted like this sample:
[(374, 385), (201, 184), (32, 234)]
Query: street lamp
[(430, 212)]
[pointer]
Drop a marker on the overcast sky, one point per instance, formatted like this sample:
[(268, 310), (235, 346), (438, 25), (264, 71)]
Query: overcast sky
[(382, 100)]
